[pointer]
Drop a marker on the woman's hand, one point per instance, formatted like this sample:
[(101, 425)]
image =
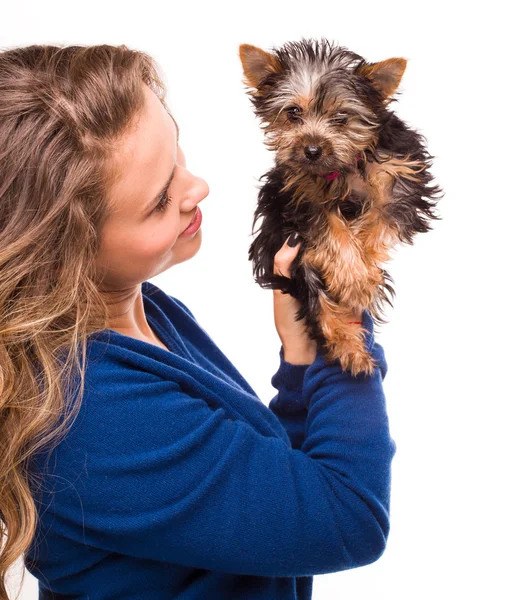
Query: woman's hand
[(298, 348)]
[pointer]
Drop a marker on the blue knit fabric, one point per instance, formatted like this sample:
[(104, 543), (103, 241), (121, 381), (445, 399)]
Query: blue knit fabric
[(177, 481)]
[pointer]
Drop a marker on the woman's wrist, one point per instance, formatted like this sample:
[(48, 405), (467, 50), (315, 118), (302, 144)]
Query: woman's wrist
[(300, 355)]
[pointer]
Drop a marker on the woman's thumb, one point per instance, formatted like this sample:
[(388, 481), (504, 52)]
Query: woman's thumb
[(286, 255)]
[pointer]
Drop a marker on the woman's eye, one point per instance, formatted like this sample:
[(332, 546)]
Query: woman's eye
[(163, 204)]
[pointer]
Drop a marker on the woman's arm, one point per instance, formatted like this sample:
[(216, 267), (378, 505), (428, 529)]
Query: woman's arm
[(166, 476)]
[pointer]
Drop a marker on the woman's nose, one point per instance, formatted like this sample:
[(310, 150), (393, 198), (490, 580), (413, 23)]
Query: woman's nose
[(201, 188), (197, 190)]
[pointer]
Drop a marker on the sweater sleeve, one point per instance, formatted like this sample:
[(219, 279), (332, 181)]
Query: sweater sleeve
[(289, 404), (163, 476)]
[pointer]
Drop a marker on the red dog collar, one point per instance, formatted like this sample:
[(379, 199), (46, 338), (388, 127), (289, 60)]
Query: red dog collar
[(333, 174)]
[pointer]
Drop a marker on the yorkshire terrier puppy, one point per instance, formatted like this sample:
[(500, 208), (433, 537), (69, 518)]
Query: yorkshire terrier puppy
[(350, 177)]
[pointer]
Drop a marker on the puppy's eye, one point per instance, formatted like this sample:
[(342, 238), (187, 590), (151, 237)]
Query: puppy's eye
[(293, 113), (340, 119)]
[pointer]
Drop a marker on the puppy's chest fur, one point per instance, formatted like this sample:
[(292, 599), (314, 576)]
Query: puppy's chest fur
[(353, 194)]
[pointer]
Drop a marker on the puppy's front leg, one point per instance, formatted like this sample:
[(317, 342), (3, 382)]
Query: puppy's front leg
[(338, 256), (349, 286), (380, 227)]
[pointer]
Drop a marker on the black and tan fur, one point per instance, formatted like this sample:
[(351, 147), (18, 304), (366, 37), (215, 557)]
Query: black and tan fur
[(324, 108)]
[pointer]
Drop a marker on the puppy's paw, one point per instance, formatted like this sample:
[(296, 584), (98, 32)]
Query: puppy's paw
[(352, 357)]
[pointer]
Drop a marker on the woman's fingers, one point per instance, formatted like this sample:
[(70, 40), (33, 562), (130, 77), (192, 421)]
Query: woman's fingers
[(298, 348), (284, 257)]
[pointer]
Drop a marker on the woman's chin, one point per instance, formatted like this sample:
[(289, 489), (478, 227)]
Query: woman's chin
[(185, 248)]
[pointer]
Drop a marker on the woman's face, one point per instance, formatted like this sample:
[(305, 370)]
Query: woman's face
[(141, 237)]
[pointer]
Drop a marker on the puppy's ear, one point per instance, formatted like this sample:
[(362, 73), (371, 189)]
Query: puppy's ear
[(386, 75), (257, 64)]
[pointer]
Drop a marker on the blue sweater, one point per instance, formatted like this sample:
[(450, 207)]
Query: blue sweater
[(177, 481)]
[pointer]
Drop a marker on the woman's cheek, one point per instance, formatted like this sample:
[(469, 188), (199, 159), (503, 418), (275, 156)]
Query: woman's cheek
[(173, 230)]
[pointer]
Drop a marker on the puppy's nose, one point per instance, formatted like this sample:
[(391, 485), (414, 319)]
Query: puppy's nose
[(313, 152)]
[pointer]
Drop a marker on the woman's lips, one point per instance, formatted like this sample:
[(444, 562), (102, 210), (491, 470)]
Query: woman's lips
[(194, 225)]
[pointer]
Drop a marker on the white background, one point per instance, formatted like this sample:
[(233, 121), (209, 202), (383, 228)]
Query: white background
[(446, 342)]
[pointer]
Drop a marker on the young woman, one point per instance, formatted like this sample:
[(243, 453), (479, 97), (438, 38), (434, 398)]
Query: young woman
[(135, 460)]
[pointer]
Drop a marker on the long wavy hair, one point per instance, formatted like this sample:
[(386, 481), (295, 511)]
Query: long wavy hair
[(63, 112)]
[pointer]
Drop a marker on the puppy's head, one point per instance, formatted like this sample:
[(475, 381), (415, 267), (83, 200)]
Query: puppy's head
[(320, 104)]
